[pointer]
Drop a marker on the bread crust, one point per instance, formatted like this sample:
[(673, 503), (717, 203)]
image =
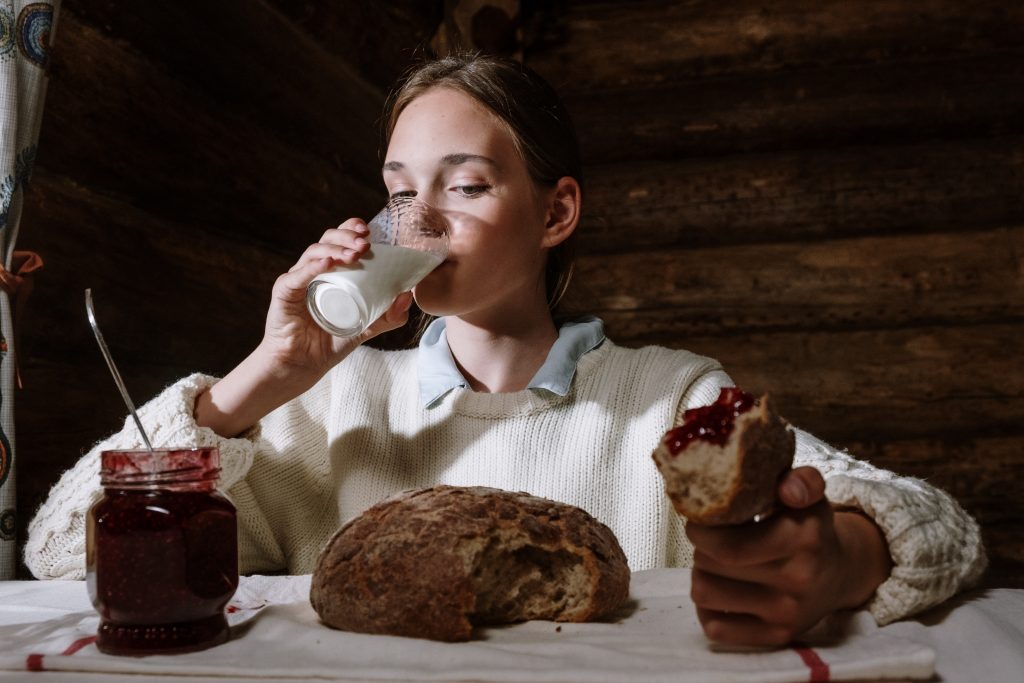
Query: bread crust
[(419, 564), (735, 482)]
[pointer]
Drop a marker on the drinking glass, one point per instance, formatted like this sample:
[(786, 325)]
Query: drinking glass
[(408, 239)]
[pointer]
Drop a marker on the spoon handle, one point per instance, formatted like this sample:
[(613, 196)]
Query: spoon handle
[(113, 368)]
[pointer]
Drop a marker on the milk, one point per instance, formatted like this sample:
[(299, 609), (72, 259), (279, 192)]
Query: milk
[(346, 300)]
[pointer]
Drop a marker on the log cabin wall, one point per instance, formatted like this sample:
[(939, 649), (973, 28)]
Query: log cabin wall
[(826, 196)]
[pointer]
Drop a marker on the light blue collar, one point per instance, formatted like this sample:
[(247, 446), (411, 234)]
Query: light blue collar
[(438, 373)]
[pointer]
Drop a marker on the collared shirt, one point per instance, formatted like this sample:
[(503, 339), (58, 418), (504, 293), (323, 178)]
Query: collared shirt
[(438, 373)]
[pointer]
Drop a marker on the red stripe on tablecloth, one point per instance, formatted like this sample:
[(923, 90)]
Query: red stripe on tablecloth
[(34, 662), (819, 669)]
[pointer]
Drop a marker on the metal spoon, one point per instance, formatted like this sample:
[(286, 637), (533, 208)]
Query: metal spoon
[(113, 368)]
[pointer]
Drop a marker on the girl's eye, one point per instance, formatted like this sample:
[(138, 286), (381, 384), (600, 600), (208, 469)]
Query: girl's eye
[(471, 190), (403, 193)]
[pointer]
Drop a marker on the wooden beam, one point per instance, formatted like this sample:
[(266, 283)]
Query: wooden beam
[(171, 295), (828, 107), (119, 122), (871, 282), (648, 43), (251, 60), (806, 195), (379, 39)]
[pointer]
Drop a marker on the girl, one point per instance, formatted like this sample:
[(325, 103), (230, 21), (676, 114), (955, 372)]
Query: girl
[(314, 429)]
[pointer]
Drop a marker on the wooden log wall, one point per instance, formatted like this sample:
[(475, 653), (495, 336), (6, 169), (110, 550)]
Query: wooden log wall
[(192, 151), (825, 196)]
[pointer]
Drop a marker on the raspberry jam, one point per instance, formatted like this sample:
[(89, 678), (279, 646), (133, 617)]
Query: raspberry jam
[(711, 423), (161, 552)]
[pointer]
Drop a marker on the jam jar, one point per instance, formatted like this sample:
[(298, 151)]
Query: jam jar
[(161, 552)]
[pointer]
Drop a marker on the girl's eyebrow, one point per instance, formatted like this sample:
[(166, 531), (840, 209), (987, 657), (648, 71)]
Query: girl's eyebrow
[(462, 157), (448, 160)]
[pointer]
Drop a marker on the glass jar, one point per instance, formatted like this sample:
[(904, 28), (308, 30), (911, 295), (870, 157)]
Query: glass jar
[(161, 552)]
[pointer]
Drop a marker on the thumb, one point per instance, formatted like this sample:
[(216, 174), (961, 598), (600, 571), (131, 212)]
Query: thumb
[(801, 487), (398, 313)]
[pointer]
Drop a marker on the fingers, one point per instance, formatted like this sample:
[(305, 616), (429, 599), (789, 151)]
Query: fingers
[(742, 545), (763, 572), (721, 594), (781, 536), (345, 244), (742, 629), (291, 286), (740, 612), (801, 487), (398, 312)]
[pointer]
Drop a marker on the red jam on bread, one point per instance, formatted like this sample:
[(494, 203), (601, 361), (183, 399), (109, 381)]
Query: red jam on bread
[(723, 463), (713, 423)]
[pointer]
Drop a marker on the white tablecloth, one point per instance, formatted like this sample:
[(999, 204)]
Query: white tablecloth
[(47, 627)]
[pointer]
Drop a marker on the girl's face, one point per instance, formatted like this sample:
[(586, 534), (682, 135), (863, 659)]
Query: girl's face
[(453, 153)]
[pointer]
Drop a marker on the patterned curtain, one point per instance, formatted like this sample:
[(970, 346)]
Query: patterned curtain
[(26, 29)]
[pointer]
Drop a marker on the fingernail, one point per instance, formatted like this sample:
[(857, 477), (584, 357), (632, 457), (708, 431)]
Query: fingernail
[(360, 242)]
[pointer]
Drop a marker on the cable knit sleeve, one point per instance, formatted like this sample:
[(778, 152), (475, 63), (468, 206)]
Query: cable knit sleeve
[(56, 535), (935, 545)]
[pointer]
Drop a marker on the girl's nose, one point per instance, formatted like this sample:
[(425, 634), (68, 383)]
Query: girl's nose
[(432, 197)]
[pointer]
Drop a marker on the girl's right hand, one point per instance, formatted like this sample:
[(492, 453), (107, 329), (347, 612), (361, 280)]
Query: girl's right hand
[(295, 352), (292, 341)]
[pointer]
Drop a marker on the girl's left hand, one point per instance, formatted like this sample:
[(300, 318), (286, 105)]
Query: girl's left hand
[(765, 583)]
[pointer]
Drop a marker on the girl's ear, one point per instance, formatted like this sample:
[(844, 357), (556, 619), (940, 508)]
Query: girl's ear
[(563, 214)]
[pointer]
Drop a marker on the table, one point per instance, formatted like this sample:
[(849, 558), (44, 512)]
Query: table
[(978, 636)]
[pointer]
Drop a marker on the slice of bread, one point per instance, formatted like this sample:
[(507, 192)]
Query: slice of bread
[(722, 465), (434, 563)]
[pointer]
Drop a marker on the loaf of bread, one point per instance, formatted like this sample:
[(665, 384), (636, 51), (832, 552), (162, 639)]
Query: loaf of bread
[(722, 465), (434, 563)]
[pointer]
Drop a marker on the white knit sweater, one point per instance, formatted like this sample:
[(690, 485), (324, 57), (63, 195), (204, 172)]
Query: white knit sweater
[(362, 434)]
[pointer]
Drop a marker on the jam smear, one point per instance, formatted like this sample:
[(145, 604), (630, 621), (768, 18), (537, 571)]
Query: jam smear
[(713, 423)]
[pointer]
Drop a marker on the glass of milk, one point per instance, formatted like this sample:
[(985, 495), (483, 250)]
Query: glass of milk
[(408, 239)]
